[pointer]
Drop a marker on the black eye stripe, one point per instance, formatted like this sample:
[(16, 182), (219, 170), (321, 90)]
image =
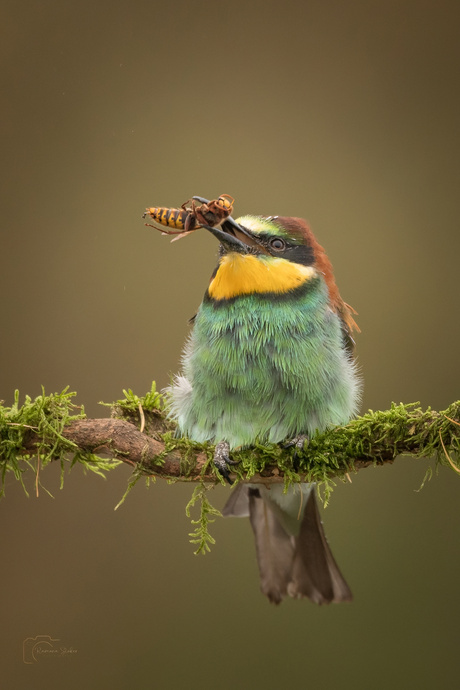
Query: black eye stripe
[(292, 249)]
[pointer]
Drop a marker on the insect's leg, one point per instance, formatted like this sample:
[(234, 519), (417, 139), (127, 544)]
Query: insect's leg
[(201, 199), (162, 228)]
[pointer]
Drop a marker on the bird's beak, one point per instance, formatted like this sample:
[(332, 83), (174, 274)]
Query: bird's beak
[(235, 238), (229, 240)]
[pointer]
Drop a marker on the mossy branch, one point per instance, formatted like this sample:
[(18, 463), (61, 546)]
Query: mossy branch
[(51, 428), (138, 433)]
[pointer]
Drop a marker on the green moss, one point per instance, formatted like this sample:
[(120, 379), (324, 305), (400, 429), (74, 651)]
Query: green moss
[(208, 513), (150, 402), (135, 477), (31, 436), (146, 412)]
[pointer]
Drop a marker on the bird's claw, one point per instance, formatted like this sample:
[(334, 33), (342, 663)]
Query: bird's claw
[(222, 460), (298, 443)]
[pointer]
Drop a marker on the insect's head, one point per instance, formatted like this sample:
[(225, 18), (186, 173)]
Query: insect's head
[(225, 202)]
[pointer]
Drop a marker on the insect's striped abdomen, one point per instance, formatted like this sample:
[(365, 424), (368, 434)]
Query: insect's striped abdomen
[(169, 217)]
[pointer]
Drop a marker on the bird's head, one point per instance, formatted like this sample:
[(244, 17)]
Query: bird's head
[(271, 255)]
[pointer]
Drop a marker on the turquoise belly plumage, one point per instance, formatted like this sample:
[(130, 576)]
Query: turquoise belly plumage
[(262, 368)]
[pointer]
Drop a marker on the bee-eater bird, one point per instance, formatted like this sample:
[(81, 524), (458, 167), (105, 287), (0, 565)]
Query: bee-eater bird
[(270, 358)]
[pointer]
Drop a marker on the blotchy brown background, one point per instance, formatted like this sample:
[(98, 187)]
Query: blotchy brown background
[(345, 113)]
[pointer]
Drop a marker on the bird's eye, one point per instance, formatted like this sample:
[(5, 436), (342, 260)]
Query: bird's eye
[(278, 244)]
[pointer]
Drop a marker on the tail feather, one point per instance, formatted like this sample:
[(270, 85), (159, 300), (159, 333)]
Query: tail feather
[(275, 548), (315, 573), (295, 562), (238, 503)]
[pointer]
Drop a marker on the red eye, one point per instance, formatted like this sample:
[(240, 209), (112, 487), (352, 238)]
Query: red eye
[(278, 244)]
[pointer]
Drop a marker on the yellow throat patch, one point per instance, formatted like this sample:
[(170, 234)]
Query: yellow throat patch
[(244, 274)]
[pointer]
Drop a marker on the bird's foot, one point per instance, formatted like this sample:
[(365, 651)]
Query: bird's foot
[(298, 442), (222, 460)]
